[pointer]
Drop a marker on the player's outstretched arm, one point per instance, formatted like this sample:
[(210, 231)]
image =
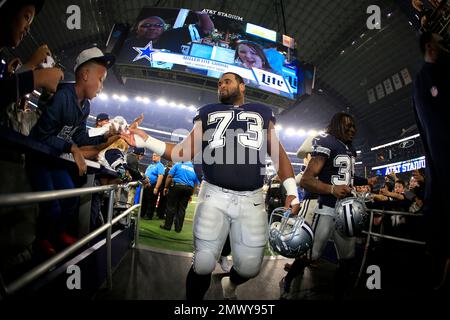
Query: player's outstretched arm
[(183, 151)]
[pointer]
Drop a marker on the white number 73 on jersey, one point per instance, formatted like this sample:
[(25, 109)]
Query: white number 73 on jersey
[(252, 138)]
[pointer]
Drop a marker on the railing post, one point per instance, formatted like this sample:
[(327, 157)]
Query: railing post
[(108, 240), (138, 220)]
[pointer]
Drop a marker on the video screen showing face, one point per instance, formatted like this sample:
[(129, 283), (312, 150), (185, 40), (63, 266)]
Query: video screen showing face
[(208, 44)]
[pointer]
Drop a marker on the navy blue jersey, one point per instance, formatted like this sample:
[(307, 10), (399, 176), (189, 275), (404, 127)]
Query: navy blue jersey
[(309, 195), (234, 144), (63, 121), (339, 164)]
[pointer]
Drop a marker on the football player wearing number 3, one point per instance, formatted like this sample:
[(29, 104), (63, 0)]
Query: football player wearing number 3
[(234, 139), (330, 173)]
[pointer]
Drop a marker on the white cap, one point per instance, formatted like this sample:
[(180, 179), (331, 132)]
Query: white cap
[(96, 54)]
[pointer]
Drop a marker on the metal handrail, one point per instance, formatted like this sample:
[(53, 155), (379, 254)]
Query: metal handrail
[(60, 194), (47, 265), (397, 212), (384, 236), (370, 234), (24, 198), (13, 199)]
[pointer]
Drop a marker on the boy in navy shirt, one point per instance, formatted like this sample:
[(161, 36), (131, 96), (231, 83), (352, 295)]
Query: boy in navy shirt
[(62, 126)]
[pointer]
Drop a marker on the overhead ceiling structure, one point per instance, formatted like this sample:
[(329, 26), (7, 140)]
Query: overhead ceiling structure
[(351, 60)]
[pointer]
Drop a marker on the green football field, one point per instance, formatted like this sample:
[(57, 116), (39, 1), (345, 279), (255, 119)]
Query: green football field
[(151, 235)]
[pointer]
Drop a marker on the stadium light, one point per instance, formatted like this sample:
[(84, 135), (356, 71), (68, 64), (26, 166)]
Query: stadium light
[(290, 131), (161, 102)]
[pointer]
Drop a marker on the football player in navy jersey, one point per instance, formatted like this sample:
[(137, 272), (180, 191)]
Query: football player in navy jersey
[(234, 138), (330, 173)]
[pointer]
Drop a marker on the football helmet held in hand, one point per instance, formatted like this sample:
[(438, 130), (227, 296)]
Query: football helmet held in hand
[(351, 216), (289, 235)]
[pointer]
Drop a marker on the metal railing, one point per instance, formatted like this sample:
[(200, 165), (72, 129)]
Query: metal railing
[(7, 200), (370, 233)]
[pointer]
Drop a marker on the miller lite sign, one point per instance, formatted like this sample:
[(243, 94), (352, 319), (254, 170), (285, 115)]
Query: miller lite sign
[(272, 80)]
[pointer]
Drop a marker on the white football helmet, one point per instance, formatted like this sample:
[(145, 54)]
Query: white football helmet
[(351, 216), (289, 235)]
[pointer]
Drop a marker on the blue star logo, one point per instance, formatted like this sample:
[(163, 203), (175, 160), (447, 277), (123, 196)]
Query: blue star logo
[(145, 52)]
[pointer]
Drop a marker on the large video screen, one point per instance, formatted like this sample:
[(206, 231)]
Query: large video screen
[(210, 43)]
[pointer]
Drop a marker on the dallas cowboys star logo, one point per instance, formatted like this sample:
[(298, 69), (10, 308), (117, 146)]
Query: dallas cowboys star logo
[(145, 52)]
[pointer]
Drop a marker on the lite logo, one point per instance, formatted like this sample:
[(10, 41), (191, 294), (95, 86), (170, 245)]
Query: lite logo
[(271, 80), (74, 20)]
